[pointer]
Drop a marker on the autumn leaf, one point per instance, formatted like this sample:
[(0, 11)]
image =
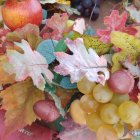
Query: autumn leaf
[(30, 64), (5, 78), (29, 33), (18, 101), (134, 70), (73, 131), (81, 63), (55, 1), (93, 42), (134, 13), (55, 26), (129, 45), (79, 25), (114, 22)]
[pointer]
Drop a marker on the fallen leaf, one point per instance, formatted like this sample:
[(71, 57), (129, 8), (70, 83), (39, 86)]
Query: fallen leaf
[(5, 78), (129, 46), (29, 33), (93, 42), (18, 101), (55, 1), (75, 132), (30, 64), (81, 63), (114, 22), (134, 70), (68, 9), (55, 26), (79, 25), (134, 13)]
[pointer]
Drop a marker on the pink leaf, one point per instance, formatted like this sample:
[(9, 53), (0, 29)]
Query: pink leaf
[(55, 26), (114, 22), (30, 64), (76, 132), (82, 63), (79, 25)]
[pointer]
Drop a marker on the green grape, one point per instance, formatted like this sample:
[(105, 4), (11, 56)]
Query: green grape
[(89, 104), (85, 86), (108, 113), (119, 128), (117, 99), (129, 112), (93, 121), (77, 113), (102, 93)]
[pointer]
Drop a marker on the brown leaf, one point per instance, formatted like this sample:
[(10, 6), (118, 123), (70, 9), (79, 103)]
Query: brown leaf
[(5, 78), (18, 101), (29, 32)]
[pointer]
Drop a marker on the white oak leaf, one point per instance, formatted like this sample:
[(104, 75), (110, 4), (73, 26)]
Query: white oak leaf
[(82, 63), (30, 64)]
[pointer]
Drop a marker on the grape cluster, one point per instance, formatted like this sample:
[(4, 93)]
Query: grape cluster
[(102, 109), (86, 7)]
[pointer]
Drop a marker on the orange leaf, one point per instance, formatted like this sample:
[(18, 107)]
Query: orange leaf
[(5, 78), (18, 101)]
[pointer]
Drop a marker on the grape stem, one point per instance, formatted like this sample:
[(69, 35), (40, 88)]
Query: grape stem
[(89, 23)]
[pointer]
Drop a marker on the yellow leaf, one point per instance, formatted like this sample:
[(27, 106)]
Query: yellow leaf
[(18, 101), (93, 42), (5, 78), (129, 45)]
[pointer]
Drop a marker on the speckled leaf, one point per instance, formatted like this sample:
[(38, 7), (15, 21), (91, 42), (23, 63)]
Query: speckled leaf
[(93, 42)]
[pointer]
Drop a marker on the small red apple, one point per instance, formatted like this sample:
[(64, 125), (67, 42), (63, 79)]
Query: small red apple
[(18, 13)]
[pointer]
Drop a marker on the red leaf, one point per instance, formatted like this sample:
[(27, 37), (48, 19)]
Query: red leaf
[(33, 132), (114, 22)]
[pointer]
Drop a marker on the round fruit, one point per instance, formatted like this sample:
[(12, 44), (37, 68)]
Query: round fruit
[(93, 121), (89, 104), (95, 14), (85, 86), (129, 112), (17, 14), (76, 112), (106, 132), (46, 110), (119, 128), (117, 99), (102, 93), (121, 82), (87, 3), (80, 8), (108, 113)]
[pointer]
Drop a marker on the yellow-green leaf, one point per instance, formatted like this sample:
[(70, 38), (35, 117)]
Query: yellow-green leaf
[(129, 45), (93, 42), (18, 101)]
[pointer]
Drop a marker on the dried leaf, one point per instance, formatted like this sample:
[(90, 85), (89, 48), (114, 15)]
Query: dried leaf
[(31, 63), (114, 22), (18, 101), (5, 78), (29, 33), (129, 46), (93, 42), (79, 25), (55, 1), (55, 26), (81, 63), (76, 132), (134, 13)]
